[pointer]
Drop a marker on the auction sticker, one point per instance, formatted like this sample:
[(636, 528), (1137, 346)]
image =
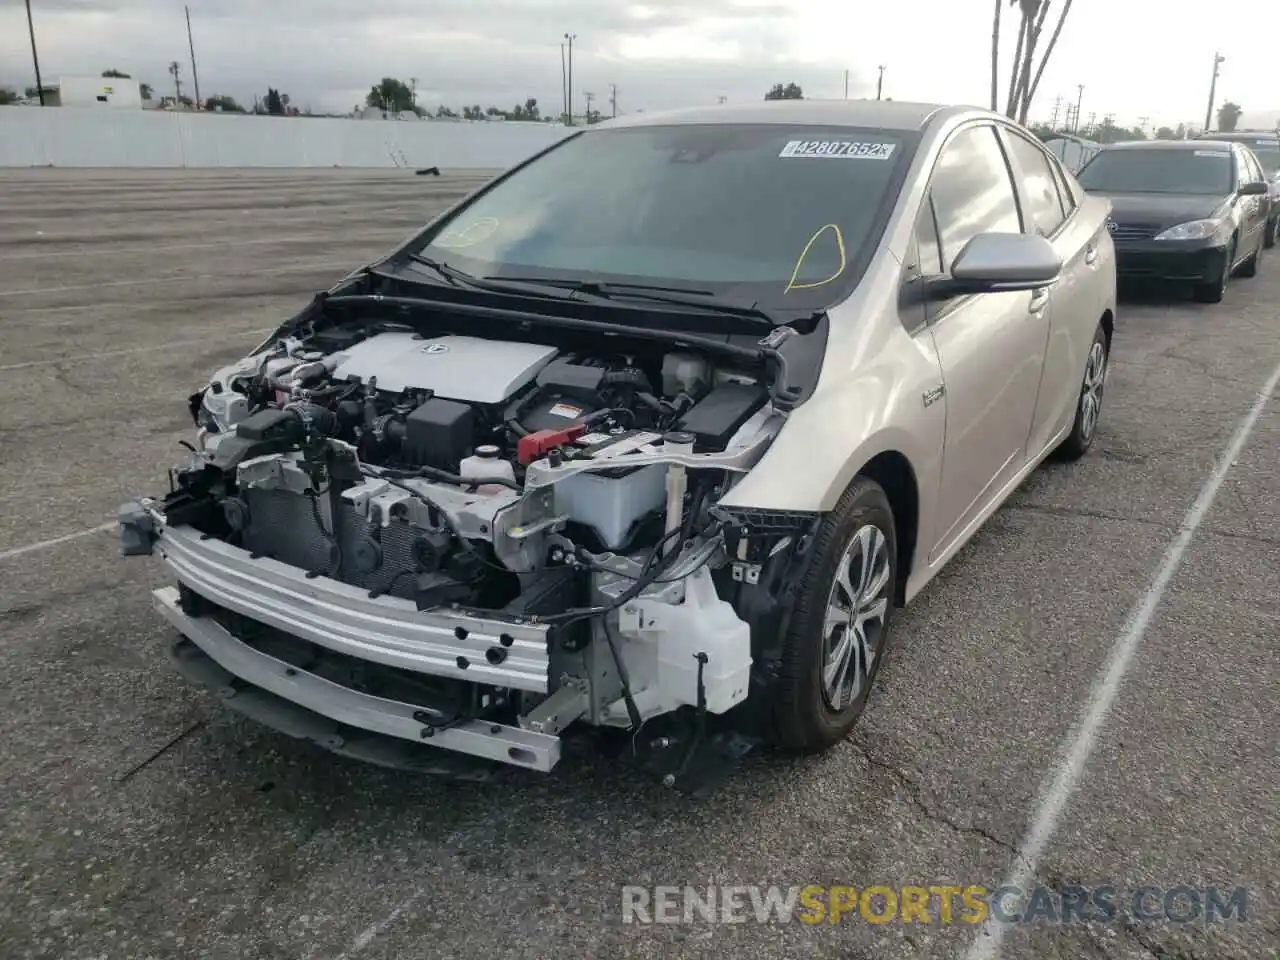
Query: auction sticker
[(838, 149)]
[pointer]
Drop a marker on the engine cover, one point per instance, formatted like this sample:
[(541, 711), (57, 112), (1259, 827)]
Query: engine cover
[(470, 369)]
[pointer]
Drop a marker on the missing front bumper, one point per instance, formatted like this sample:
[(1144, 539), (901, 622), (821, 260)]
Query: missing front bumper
[(303, 705)]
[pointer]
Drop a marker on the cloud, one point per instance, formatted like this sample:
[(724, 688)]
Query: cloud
[(327, 53)]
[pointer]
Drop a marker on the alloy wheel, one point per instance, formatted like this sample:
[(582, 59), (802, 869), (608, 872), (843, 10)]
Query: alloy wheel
[(1095, 376), (857, 608)]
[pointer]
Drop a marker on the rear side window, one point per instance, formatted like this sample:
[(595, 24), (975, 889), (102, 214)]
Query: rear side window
[(972, 191), (1044, 210)]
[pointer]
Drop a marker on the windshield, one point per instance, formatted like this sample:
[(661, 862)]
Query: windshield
[(1159, 171), (779, 215)]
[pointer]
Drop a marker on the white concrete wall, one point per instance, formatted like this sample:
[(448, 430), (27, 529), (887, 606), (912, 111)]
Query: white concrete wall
[(85, 137)]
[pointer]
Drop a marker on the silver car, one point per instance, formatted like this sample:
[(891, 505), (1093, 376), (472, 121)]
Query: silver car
[(648, 436)]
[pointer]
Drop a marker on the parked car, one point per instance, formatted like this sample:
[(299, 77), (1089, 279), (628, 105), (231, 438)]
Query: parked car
[(1266, 150), (653, 431), (1183, 210)]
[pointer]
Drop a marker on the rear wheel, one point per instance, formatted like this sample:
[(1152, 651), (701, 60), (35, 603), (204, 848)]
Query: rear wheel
[(840, 631)]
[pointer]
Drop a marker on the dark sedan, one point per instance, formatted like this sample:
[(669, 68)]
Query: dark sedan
[(1182, 210), (1266, 150)]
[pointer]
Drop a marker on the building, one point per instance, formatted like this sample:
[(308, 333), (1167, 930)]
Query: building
[(113, 92)]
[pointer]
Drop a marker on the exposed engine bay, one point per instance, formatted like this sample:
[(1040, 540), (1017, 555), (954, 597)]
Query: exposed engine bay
[(498, 536)]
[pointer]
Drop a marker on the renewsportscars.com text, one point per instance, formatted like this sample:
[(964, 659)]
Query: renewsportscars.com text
[(932, 904)]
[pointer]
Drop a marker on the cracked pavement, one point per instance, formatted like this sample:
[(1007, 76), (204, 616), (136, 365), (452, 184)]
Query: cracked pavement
[(141, 820)]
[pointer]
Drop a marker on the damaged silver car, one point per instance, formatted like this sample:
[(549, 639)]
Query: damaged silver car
[(644, 440)]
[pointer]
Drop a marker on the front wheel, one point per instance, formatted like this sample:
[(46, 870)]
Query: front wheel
[(1089, 406), (1216, 290), (839, 633)]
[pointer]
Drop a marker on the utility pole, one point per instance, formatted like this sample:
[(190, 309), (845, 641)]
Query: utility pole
[(564, 86), (195, 77), (1213, 91), (846, 84), (880, 83), (1057, 109), (1142, 124), (413, 94), (175, 69), (35, 57), (613, 99), (1079, 102), (569, 83), (589, 96), (1093, 123)]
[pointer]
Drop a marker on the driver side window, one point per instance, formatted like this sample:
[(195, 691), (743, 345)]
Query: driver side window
[(972, 191)]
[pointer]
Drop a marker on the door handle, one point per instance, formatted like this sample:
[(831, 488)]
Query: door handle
[(1039, 300), (1091, 256)]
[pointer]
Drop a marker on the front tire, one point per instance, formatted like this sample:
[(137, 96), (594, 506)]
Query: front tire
[(1089, 406), (1216, 291), (839, 632)]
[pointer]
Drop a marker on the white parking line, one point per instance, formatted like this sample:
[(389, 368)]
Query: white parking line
[(104, 248), (143, 280), (1075, 750), (370, 933), (43, 544), (128, 351)]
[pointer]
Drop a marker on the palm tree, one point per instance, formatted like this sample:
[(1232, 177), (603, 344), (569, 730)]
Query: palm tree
[(1022, 81)]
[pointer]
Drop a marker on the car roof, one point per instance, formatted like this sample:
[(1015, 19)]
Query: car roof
[(881, 114), (1237, 136), (1167, 145)]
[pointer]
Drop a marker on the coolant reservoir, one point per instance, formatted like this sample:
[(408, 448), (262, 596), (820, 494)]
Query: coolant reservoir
[(487, 464)]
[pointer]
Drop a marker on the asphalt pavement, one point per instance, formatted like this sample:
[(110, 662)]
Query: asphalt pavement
[(139, 819)]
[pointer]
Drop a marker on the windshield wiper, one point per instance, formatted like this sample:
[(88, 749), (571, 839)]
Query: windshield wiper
[(652, 293)]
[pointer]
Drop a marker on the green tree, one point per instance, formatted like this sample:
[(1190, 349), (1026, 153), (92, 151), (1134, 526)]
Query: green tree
[(116, 73), (7, 96), (1228, 116), (391, 95), (1181, 132), (224, 103), (473, 113), (445, 112), (1165, 133), (1025, 73), (146, 91), (528, 110), (274, 102), (791, 91)]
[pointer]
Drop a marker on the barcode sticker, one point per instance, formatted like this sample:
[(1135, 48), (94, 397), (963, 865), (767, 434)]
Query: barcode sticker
[(838, 149)]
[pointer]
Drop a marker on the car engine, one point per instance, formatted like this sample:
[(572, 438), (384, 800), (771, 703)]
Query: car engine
[(522, 482)]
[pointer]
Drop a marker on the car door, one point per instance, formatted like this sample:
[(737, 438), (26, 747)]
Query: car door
[(990, 346), (1049, 210), (1256, 208)]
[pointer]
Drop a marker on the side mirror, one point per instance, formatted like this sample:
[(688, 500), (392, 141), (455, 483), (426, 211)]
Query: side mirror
[(1258, 188), (1001, 263)]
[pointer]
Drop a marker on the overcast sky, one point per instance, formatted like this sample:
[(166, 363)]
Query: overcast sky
[(1136, 58)]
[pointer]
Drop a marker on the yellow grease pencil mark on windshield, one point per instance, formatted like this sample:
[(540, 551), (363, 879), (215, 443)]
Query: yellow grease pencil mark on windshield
[(792, 285)]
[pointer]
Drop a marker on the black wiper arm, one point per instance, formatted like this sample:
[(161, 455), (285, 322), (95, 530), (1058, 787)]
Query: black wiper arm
[(655, 293), (490, 284)]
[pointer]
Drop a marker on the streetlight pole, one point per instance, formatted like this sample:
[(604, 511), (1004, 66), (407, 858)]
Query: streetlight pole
[(880, 83), (35, 57), (569, 87), (1079, 104), (564, 88), (1213, 91), (846, 84)]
